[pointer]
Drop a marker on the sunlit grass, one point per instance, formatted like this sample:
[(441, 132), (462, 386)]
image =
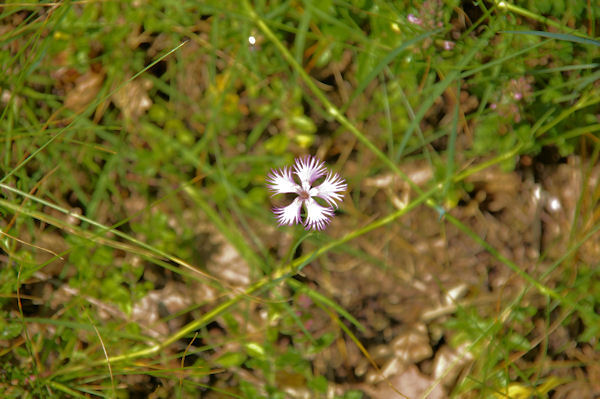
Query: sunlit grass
[(135, 143)]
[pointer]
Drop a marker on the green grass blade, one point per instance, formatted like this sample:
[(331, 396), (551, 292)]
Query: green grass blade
[(556, 36)]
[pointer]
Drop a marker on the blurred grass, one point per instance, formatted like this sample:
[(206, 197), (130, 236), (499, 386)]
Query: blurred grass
[(135, 141)]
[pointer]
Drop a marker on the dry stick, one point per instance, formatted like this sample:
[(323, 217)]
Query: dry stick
[(51, 252), (112, 378), (183, 359)]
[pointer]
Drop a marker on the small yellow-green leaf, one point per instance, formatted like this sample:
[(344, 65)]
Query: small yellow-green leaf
[(231, 359), (255, 350), (304, 124)]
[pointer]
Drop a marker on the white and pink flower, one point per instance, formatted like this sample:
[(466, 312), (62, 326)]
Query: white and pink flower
[(307, 171)]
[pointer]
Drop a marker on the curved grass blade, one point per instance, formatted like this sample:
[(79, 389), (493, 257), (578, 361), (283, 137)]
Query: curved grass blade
[(557, 36)]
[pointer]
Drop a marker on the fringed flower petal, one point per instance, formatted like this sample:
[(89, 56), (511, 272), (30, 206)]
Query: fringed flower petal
[(317, 216), (290, 214), (331, 190), (281, 181), (309, 169)]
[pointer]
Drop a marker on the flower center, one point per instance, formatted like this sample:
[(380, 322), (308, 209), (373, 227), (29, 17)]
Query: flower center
[(303, 194)]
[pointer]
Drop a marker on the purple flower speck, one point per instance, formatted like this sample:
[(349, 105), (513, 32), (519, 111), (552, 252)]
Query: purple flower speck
[(413, 19), (307, 170)]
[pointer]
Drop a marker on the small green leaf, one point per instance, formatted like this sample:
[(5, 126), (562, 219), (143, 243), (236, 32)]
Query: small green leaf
[(304, 124), (231, 359), (10, 330), (319, 384), (353, 395), (254, 349)]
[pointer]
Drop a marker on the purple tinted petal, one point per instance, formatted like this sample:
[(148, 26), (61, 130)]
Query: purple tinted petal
[(290, 214), (317, 216), (413, 19), (281, 181), (331, 190), (309, 169)]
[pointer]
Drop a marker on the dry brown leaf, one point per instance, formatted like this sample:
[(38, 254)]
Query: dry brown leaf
[(412, 345), (411, 383), (173, 298), (132, 99), (226, 263), (449, 362), (86, 89)]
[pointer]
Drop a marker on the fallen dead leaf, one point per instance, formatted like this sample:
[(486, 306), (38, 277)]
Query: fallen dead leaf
[(409, 384), (86, 89), (412, 345), (173, 298), (448, 363), (132, 99)]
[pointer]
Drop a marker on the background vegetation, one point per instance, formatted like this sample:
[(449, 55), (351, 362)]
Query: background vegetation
[(140, 257)]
